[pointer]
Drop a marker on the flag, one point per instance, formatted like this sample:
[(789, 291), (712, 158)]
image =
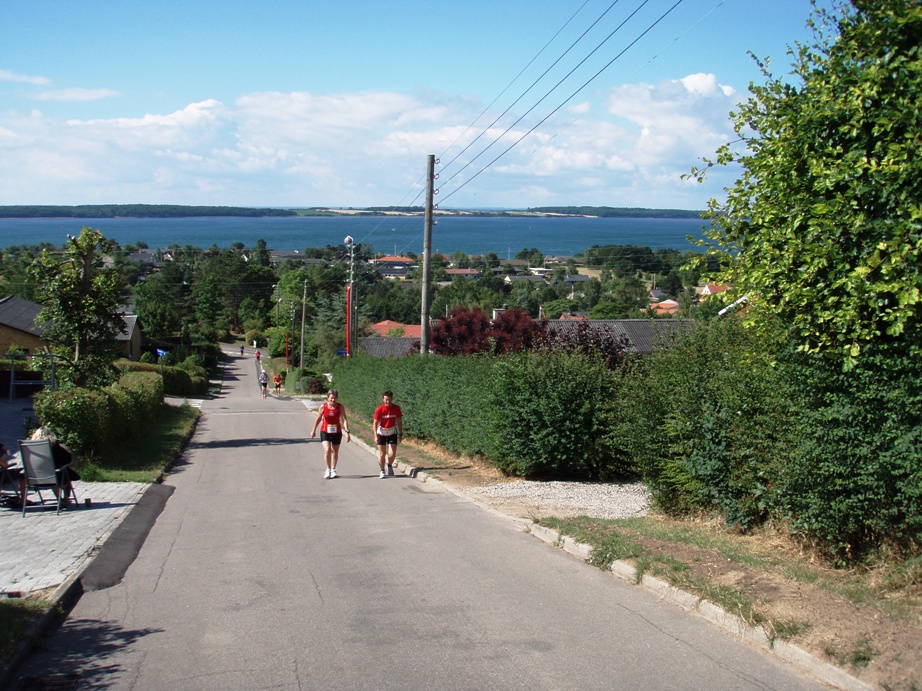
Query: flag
[(161, 353)]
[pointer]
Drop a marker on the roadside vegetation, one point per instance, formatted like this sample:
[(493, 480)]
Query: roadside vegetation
[(798, 409)]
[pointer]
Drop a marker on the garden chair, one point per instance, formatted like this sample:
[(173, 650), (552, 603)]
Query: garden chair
[(38, 466)]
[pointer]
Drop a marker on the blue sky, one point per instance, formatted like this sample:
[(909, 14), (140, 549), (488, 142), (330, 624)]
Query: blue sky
[(306, 103)]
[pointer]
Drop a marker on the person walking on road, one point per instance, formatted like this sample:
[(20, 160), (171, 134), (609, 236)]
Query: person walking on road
[(241, 350), (331, 417), (277, 380), (264, 383), (388, 424)]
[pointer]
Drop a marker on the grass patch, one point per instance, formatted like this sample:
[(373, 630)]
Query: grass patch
[(629, 539), (148, 454), (16, 616)]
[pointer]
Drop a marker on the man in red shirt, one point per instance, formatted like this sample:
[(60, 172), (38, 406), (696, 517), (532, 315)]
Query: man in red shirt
[(388, 423)]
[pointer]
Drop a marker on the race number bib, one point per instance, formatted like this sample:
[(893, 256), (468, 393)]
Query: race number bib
[(387, 432), (332, 429)]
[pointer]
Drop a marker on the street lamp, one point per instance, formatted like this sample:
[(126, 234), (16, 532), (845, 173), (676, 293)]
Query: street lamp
[(350, 297)]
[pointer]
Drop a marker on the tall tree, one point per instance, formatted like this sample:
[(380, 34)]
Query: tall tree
[(822, 228), (80, 300)]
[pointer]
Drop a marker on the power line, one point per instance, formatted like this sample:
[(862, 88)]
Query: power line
[(532, 85), (564, 102), (557, 85)]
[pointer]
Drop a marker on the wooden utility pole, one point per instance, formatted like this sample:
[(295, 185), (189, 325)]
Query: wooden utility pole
[(303, 311), (427, 259)]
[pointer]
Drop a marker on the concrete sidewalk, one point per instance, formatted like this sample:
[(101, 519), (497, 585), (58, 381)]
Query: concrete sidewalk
[(43, 550)]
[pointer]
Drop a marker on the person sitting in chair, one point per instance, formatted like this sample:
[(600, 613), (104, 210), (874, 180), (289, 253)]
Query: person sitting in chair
[(64, 462), (14, 473)]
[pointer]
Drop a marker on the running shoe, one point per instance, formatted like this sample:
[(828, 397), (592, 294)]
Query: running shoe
[(333, 473), (381, 475), (326, 473), (390, 469)]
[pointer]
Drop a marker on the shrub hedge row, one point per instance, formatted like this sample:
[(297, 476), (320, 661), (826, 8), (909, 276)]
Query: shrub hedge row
[(532, 415), (725, 421), (176, 381), (89, 420)]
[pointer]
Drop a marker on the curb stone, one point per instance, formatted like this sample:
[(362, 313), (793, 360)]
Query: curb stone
[(755, 635), (61, 599)]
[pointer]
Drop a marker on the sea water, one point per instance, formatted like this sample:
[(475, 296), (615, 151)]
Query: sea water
[(505, 236)]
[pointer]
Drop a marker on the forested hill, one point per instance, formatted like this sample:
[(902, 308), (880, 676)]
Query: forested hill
[(613, 212), (134, 211)]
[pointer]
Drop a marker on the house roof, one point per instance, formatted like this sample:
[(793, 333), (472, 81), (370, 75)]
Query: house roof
[(409, 330), (18, 313), (643, 335), (388, 347), (392, 260), (462, 272), (525, 278), (714, 288), (665, 307), (131, 323)]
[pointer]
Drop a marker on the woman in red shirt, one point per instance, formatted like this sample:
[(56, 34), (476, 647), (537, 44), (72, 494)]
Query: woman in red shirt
[(388, 430), (331, 417)]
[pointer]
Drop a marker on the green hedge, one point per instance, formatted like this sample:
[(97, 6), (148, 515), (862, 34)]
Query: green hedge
[(80, 417), (725, 421), (550, 414), (176, 381), (477, 405), (442, 398), (706, 421), (855, 481), (89, 420)]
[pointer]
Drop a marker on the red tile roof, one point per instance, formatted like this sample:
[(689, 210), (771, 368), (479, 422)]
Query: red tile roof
[(409, 330)]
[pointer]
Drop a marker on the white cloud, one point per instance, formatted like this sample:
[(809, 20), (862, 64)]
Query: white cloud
[(369, 148), (74, 94), (7, 76)]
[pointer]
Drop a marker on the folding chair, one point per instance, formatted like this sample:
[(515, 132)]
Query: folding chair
[(38, 466)]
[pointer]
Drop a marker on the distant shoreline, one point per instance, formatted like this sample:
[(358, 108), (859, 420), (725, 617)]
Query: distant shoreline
[(94, 211)]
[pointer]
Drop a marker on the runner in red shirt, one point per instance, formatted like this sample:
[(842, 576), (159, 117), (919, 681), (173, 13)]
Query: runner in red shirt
[(331, 416), (388, 423)]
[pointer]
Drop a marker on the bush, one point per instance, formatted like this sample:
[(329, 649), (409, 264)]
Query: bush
[(176, 381), (89, 421), (80, 417), (255, 335), (706, 423), (855, 480), (135, 398), (550, 415), (275, 342)]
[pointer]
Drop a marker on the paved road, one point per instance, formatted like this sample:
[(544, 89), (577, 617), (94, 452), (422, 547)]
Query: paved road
[(259, 573)]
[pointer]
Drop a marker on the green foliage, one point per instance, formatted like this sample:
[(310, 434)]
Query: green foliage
[(176, 381), (80, 302), (80, 417), (255, 336), (133, 400), (705, 421), (823, 225), (550, 415), (276, 342), (476, 405), (442, 398), (855, 481), (160, 300)]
